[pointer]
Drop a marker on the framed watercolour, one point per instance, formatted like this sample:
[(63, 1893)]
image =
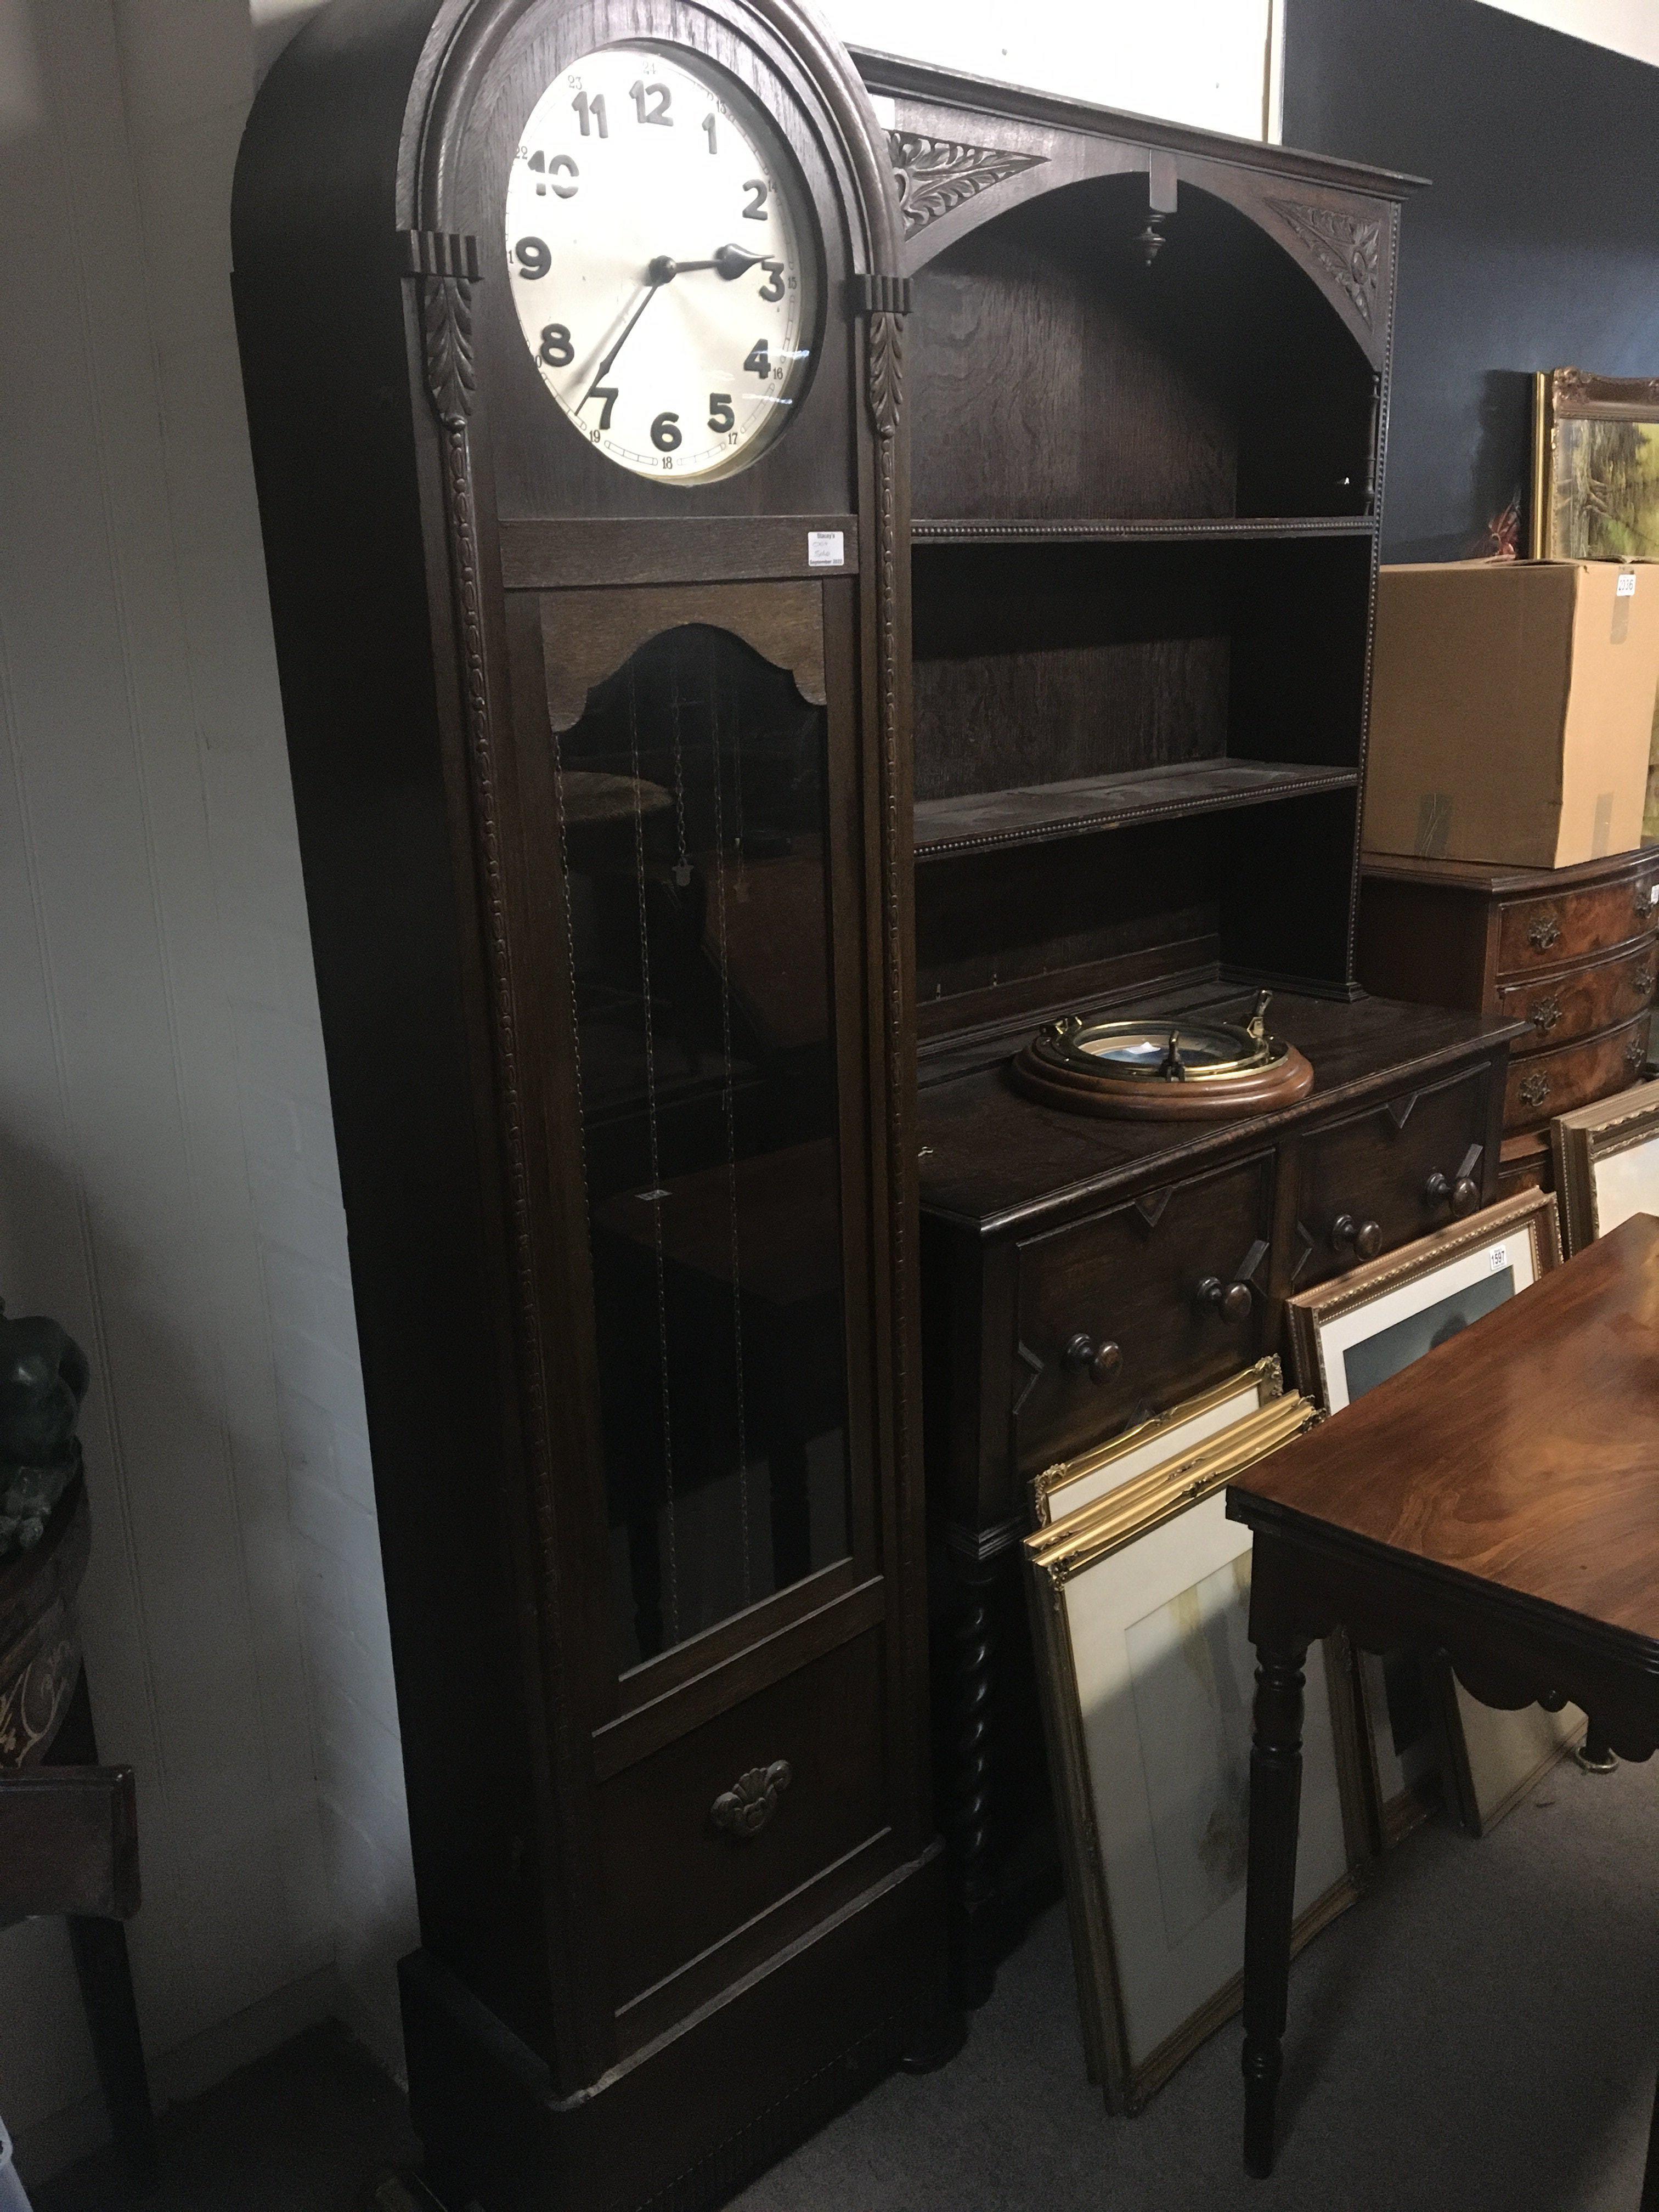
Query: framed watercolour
[(1594, 467), (1348, 1336), (1159, 1441), (1140, 1602), (1606, 1164)]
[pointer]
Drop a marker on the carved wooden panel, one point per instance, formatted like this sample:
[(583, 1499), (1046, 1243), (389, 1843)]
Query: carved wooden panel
[(937, 175), (1346, 248), (587, 635)]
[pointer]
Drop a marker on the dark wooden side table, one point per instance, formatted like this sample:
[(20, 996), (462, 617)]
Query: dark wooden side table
[(69, 1832), (1498, 1501)]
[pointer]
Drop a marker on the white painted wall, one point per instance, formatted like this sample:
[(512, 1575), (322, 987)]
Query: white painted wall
[(1207, 62), (167, 1183)]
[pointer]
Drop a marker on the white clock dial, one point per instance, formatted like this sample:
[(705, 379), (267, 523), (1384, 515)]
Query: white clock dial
[(664, 262)]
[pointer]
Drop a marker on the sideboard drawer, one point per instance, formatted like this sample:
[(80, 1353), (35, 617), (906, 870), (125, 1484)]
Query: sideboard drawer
[(1540, 932), (1547, 1084), (1131, 1286), (693, 1867), (1581, 1002), (1368, 1183)]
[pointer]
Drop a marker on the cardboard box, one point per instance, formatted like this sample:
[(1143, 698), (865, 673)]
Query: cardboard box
[(1511, 704)]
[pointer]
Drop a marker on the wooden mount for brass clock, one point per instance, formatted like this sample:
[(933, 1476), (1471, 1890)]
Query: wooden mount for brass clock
[(1163, 1070)]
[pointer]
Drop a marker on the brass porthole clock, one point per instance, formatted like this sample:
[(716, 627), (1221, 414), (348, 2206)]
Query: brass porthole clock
[(571, 337), (662, 251)]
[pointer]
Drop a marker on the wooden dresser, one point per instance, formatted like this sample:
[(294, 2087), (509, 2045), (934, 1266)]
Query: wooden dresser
[(1146, 377), (1571, 953)]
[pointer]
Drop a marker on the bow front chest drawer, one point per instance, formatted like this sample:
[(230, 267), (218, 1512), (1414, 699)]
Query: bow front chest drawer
[(1572, 952)]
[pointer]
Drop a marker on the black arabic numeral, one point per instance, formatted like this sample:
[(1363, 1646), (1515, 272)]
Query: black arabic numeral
[(720, 416), (590, 111), (532, 256), (610, 396), (758, 188), (560, 166), (759, 361), (708, 132), (665, 433), (556, 348), (772, 289), (650, 101)]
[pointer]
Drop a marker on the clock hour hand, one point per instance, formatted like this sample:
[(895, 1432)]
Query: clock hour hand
[(731, 261)]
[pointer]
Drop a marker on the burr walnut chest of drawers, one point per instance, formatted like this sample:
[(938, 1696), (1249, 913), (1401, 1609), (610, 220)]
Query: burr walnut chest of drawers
[(1571, 953)]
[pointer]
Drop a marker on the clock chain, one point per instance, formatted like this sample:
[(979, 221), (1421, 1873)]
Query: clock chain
[(657, 1192), (729, 1083)]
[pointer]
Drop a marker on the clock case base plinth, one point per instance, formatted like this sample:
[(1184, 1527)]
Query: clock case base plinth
[(696, 2114)]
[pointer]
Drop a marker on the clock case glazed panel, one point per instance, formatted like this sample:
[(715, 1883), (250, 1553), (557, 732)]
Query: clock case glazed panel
[(625, 1994)]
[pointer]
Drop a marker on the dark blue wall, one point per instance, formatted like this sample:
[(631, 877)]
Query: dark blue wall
[(1536, 245)]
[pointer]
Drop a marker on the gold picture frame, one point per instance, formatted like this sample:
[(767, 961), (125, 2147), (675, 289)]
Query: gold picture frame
[(1157, 1438), (1594, 467), (1353, 1332), (1140, 1610), (1607, 1163)]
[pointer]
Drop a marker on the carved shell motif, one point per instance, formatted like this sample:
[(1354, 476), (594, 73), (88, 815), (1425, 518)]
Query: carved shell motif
[(1346, 247), (937, 175)]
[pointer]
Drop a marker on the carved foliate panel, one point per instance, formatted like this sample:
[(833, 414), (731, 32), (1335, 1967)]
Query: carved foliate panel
[(937, 175), (1346, 248)]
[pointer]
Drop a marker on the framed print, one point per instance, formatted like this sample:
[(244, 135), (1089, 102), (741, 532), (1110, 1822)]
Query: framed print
[(1156, 1442), (1398, 1724), (1606, 1164), (1348, 1336), (1353, 1333), (1595, 467), (1140, 1602), (1596, 485)]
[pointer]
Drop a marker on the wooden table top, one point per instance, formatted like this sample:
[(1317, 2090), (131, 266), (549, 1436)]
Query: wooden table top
[(993, 1159), (1524, 1453)]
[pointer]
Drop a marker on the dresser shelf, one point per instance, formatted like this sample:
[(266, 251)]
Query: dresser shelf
[(1107, 530), (990, 821)]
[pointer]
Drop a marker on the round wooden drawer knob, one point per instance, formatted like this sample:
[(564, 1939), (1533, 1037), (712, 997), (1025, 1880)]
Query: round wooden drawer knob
[(1363, 1238), (1099, 1362), (1228, 1302), (1461, 1196)]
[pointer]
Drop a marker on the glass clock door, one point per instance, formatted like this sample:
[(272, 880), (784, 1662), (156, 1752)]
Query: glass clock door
[(692, 796)]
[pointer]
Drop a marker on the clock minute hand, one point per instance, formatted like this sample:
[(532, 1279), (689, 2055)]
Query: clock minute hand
[(659, 274)]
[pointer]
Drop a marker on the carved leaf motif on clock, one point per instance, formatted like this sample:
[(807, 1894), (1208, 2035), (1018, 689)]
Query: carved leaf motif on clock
[(937, 175), (450, 374), (1347, 248)]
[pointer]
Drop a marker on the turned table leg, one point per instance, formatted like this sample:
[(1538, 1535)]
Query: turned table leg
[(1275, 1803), (1595, 1754)]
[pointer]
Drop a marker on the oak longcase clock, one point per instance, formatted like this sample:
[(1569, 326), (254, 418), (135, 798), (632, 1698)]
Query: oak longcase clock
[(571, 332)]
